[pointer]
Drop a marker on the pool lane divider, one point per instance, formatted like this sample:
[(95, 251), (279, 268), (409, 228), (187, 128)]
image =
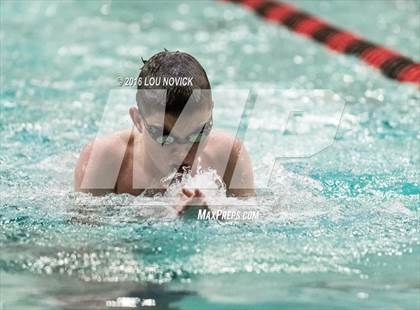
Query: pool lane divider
[(391, 63)]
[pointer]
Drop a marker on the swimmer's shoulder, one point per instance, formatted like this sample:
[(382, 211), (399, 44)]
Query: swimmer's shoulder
[(238, 172), (102, 153), (221, 141), (109, 145)]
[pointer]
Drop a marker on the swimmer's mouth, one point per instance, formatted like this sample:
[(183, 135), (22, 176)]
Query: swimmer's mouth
[(182, 167)]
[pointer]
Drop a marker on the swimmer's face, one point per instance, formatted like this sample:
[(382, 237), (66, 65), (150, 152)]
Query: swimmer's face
[(179, 144)]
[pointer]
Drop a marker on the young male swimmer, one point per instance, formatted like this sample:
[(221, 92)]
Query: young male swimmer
[(172, 128)]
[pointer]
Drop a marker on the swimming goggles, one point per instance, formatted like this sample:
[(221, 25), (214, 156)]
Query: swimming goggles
[(163, 137)]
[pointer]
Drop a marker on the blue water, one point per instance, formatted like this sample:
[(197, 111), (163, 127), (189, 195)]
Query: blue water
[(340, 232)]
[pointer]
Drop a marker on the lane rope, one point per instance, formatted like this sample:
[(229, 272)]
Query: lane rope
[(391, 63)]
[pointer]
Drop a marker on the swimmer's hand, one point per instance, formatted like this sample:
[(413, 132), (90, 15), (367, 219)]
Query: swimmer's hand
[(192, 201)]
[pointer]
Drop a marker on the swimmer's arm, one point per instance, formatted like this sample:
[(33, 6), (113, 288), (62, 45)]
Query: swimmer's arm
[(239, 174), (98, 167)]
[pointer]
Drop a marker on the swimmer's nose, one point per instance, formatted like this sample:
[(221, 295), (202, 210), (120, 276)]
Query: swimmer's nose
[(178, 150), (181, 152), (181, 148)]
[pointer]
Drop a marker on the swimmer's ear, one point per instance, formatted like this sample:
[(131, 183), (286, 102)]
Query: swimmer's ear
[(135, 117)]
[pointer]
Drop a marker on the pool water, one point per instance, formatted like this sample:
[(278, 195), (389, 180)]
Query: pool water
[(340, 231)]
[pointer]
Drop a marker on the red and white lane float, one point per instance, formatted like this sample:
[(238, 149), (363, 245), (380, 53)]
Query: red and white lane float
[(391, 63)]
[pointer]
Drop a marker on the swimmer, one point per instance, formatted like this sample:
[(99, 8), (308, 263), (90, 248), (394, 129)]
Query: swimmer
[(135, 161)]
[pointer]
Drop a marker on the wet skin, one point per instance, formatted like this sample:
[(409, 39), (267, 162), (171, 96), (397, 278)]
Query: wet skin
[(132, 162)]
